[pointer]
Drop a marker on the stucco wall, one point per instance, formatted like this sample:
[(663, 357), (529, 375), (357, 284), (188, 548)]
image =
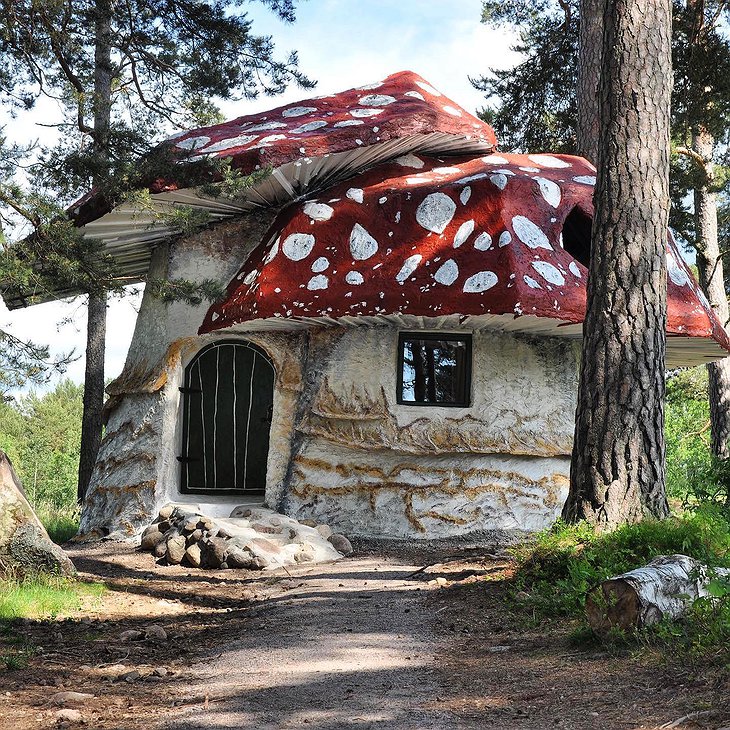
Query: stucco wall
[(370, 466)]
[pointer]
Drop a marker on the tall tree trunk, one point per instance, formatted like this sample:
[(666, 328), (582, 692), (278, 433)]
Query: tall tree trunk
[(617, 469), (712, 281), (92, 423), (589, 73)]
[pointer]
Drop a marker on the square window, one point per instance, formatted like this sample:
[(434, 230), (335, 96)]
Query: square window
[(434, 369)]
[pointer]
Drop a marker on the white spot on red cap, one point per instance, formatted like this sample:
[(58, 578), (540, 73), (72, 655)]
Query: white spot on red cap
[(298, 111), (354, 277), (193, 143), (321, 264), (495, 160), (447, 273), (529, 233), (309, 127), (265, 127), (362, 244), (452, 110), (214, 316), (355, 194), (272, 252), (465, 230), (409, 266), (549, 190), (349, 123), (376, 100), (318, 211), (465, 195), (318, 282), (298, 246), (435, 212), (531, 282), (585, 179), (574, 269), (414, 95), (483, 242), (549, 272), (428, 88), (505, 238), (548, 161), (480, 282), (500, 180), (226, 144), (675, 273), (359, 113)]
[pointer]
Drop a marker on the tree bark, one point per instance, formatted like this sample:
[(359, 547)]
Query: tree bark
[(589, 73), (712, 281), (92, 421), (617, 468)]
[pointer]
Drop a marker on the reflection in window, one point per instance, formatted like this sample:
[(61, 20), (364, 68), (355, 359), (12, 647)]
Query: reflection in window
[(434, 369)]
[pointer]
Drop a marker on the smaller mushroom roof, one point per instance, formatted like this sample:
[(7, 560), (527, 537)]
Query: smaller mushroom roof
[(477, 242), (308, 145)]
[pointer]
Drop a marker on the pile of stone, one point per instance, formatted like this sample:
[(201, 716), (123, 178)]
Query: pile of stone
[(252, 538)]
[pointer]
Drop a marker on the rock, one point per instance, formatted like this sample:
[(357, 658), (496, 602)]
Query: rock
[(151, 538), (155, 633), (241, 511), (239, 558), (265, 529), (61, 699), (191, 525), (224, 565), (69, 715), (325, 531), (159, 672), (499, 649), (305, 554), (192, 555), (163, 526), (165, 512), (131, 635), (195, 535), (223, 534), (175, 549), (29, 550), (131, 676), (340, 543), (308, 523), (160, 549), (212, 552)]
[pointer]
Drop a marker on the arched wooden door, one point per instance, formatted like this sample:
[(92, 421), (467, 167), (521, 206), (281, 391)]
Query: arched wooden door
[(227, 405)]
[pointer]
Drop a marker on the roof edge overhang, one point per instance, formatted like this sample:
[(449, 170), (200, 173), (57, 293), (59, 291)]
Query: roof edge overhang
[(682, 350)]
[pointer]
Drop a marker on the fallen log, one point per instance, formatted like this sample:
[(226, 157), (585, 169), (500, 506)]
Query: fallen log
[(664, 588)]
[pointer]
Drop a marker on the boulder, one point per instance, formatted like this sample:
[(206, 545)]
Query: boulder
[(24, 543), (175, 549), (192, 555), (151, 537), (341, 544)]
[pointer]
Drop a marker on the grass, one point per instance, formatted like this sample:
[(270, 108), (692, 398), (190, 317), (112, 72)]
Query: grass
[(563, 563), (44, 596), (61, 523)]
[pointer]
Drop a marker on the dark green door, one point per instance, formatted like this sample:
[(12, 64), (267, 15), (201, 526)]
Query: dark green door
[(227, 404)]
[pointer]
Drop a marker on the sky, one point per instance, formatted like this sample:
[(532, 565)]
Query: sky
[(341, 44)]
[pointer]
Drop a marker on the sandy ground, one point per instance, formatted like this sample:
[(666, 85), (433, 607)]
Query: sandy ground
[(404, 637)]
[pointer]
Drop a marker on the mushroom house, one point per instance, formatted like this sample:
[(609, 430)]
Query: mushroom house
[(396, 351)]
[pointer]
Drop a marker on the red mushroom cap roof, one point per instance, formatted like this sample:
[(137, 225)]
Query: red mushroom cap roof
[(401, 105), (424, 237)]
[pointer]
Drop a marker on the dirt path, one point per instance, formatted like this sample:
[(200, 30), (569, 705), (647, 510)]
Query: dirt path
[(350, 647), (366, 642)]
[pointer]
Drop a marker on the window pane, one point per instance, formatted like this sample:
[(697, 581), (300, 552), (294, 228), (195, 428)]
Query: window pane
[(434, 370)]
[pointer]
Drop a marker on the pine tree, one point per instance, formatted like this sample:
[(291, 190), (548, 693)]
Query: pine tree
[(617, 469), (550, 34), (120, 68)]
